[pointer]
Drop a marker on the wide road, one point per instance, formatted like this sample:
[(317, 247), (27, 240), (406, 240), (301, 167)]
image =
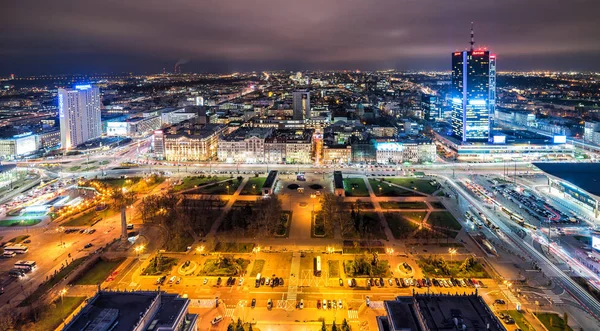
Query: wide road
[(552, 271)]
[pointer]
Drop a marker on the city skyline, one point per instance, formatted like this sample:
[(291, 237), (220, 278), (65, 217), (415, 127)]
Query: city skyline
[(266, 36)]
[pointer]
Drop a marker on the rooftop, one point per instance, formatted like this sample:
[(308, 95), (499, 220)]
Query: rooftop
[(583, 175), (245, 133)]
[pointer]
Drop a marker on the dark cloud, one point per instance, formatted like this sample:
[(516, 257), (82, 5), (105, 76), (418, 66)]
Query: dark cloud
[(223, 35)]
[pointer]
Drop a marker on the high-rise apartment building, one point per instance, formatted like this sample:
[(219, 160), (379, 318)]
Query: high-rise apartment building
[(301, 105), (473, 94), (79, 115)]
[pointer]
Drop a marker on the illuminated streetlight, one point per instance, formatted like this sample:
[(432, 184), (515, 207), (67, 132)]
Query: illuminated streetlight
[(62, 294), (451, 251)]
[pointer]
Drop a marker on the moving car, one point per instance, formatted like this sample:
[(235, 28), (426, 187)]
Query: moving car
[(253, 302), (216, 320)]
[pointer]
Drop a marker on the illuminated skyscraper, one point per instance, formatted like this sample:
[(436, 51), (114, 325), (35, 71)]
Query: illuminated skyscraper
[(472, 97), (430, 108), (301, 105), (79, 115)]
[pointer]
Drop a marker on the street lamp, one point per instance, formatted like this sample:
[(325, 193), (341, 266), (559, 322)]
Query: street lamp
[(200, 249), (451, 251), (62, 294)]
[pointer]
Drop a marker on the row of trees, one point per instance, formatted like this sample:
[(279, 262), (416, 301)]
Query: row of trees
[(335, 214), (260, 219)]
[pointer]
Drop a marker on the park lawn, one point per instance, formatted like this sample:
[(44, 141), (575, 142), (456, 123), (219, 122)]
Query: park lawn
[(20, 222), (430, 270), (334, 268), (376, 230), (444, 219), (165, 266), (421, 185), (355, 187), (46, 286), (358, 205), (382, 269), (257, 267), (558, 324), (403, 223), (383, 189), (54, 314), (284, 225), (231, 247), (227, 188), (212, 267), (84, 219), (253, 186), (437, 205), (403, 205), (519, 319), (195, 181), (179, 243), (98, 273)]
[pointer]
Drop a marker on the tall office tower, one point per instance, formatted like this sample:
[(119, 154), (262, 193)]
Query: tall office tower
[(470, 91), (492, 90), (430, 108), (301, 105), (79, 115)]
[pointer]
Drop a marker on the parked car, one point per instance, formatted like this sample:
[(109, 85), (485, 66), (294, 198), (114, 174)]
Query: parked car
[(270, 304), (301, 305), (253, 302)]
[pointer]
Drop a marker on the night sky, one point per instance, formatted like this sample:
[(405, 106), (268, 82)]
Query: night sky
[(87, 36)]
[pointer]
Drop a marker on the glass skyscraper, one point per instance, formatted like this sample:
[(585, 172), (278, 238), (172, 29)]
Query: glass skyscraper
[(471, 95)]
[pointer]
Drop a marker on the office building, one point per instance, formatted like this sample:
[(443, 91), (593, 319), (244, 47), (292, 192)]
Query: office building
[(18, 145), (289, 146), (301, 105), (120, 311), (133, 127), (79, 115), (470, 92), (431, 109)]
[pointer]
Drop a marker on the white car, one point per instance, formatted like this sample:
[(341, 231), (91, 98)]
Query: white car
[(241, 281), (172, 279), (301, 305), (340, 303), (324, 304), (216, 320), (267, 281), (368, 301)]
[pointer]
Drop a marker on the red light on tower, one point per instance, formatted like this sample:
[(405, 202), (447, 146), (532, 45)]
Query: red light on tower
[(492, 56), (456, 53)]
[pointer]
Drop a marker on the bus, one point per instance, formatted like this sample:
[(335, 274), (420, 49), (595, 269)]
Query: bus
[(25, 265), (16, 248), (318, 266)]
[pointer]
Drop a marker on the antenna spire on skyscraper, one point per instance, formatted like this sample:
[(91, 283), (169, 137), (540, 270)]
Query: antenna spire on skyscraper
[(472, 37)]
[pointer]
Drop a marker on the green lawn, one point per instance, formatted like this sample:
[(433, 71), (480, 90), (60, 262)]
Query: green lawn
[(403, 223), (53, 315), (519, 319), (229, 247), (552, 322), (358, 205), (44, 287), (334, 268), (20, 222), (444, 219), (431, 270), (195, 181), (421, 185), (98, 273), (403, 205), (84, 219), (355, 187), (383, 189), (179, 243), (253, 186), (228, 188), (257, 267)]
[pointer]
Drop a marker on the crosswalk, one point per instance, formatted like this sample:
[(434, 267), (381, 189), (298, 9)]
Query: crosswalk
[(553, 297), (352, 314), (376, 305), (229, 312)]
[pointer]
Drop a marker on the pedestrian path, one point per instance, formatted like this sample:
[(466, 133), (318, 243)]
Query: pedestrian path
[(229, 312), (294, 272), (554, 298)]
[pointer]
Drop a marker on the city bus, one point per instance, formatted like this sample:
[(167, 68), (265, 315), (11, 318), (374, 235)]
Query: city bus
[(25, 265), (17, 248), (318, 266)]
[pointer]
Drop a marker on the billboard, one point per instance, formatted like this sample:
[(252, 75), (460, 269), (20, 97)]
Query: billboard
[(499, 139), (596, 243), (560, 139)]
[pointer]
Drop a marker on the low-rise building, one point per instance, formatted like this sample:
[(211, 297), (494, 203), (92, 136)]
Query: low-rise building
[(141, 310), (244, 145), (192, 144), (414, 151), (289, 146), (337, 154), (19, 145)]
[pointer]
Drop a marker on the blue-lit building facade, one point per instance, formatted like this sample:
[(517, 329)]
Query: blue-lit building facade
[(471, 96)]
